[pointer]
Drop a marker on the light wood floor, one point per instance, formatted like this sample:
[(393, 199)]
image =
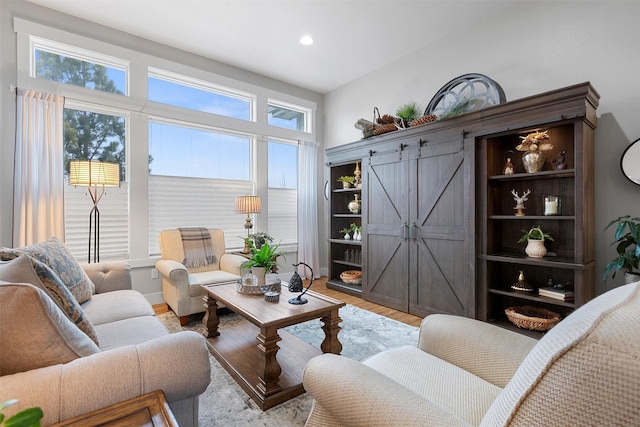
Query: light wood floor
[(320, 286)]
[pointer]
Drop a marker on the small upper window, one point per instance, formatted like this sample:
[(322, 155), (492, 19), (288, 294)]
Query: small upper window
[(287, 117), (64, 68), (199, 97)]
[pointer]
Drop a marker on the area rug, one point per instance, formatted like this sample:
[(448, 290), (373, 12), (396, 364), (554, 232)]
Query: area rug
[(363, 334)]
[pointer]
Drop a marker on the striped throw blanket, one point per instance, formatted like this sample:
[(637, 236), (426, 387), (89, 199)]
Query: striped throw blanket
[(198, 248)]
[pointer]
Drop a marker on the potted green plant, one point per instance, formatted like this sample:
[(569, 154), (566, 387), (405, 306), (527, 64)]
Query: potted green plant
[(346, 232), (627, 237), (28, 418), (263, 260), (347, 181), (260, 238), (535, 238)]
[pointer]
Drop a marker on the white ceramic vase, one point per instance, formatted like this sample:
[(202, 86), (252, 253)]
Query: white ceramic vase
[(535, 248)]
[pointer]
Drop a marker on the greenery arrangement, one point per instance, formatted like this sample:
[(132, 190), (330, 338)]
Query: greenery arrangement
[(346, 178), (263, 257), (460, 107), (260, 238), (409, 111), (627, 237), (535, 233), (28, 418)]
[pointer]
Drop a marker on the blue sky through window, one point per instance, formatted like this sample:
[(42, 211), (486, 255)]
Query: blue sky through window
[(184, 96), (187, 152)]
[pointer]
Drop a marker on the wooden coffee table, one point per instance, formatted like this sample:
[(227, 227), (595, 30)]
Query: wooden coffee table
[(266, 361)]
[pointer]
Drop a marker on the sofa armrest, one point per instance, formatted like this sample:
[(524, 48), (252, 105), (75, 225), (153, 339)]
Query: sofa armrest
[(231, 263), (488, 351), (178, 364), (109, 276), (365, 397)]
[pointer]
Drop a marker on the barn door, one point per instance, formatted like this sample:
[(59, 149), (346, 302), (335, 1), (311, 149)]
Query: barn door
[(440, 199), (385, 238)]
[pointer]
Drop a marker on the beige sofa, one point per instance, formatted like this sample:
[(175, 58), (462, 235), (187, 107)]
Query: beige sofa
[(584, 372), (47, 361), (181, 285)]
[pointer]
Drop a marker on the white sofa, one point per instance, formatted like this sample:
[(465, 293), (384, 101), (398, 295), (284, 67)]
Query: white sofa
[(181, 285), (463, 372), (47, 361)]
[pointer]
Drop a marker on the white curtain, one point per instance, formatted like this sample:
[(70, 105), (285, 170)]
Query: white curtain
[(308, 250), (38, 198)]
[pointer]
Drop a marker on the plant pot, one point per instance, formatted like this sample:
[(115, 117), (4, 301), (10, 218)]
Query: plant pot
[(260, 274), (535, 248), (631, 278), (346, 185)]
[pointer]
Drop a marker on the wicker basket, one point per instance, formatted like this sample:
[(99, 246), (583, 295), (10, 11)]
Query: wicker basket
[(533, 318), (351, 277)]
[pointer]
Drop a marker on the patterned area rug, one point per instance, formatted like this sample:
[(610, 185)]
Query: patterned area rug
[(363, 334)]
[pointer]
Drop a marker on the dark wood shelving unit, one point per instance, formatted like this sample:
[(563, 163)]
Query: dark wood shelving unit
[(340, 218), (570, 257)]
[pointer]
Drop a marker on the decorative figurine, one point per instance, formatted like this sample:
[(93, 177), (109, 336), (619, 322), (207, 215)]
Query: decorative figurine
[(358, 176), (522, 284), (508, 169), (560, 162), (520, 201)]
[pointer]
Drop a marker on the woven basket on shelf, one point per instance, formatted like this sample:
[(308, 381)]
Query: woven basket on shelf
[(533, 318)]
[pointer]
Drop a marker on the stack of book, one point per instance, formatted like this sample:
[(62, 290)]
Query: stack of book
[(556, 293)]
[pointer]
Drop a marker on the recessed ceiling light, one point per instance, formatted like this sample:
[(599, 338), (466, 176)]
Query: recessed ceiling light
[(306, 40)]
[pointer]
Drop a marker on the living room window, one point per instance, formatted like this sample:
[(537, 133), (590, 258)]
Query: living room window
[(287, 116), (65, 64), (96, 135), (283, 190), (195, 141), (184, 92), (195, 175)]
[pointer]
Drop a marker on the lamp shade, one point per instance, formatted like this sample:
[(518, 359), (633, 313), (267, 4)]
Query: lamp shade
[(248, 204), (87, 172)]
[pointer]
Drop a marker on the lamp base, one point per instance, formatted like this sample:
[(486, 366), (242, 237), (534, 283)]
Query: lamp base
[(298, 301)]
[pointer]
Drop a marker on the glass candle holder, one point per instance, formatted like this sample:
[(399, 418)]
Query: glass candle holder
[(551, 205)]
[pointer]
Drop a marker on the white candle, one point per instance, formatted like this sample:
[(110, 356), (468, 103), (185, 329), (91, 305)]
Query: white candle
[(551, 206)]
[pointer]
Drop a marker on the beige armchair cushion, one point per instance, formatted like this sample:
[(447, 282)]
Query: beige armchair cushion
[(35, 333)]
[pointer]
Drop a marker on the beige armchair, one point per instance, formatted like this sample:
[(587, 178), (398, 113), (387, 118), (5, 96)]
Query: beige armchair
[(463, 372), (180, 284)]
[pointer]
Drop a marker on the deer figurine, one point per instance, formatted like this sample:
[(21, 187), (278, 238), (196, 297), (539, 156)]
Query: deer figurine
[(520, 201)]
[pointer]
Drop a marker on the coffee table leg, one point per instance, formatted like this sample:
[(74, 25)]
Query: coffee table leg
[(269, 372), (210, 319), (330, 326)]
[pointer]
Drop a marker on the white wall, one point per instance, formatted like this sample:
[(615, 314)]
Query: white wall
[(537, 47)]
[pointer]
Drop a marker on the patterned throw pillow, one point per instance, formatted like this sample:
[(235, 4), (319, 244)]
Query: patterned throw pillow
[(26, 269), (58, 257)]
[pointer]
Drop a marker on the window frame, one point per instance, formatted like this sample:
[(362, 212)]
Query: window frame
[(138, 63)]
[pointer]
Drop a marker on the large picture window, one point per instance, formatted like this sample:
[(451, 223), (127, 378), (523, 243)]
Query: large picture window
[(188, 142), (90, 135)]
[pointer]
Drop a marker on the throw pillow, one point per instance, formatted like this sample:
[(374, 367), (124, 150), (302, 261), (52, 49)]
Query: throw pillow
[(35, 333), (26, 269), (58, 257)]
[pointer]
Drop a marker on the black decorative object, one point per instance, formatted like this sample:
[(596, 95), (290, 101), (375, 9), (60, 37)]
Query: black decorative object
[(295, 285), (469, 92)]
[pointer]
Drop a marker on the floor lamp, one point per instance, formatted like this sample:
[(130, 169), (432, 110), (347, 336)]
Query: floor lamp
[(96, 176), (248, 205)]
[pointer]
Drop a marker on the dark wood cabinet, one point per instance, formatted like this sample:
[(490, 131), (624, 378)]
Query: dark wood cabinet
[(439, 230)]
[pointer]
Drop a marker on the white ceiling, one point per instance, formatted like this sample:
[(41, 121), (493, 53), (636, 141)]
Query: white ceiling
[(352, 37)]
